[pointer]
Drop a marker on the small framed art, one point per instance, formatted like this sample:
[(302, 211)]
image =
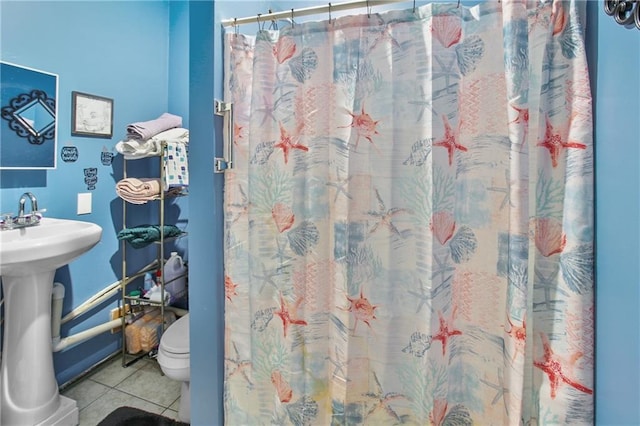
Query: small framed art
[(91, 115)]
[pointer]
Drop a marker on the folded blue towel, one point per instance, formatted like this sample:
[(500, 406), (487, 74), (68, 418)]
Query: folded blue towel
[(143, 235)]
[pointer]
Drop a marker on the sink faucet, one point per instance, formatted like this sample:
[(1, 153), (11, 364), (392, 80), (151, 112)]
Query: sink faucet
[(23, 200), (8, 221)]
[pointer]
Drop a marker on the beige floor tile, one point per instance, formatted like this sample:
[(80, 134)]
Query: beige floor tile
[(112, 372), (176, 405), (148, 383), (99, 409), (85, 392), (141, 385)]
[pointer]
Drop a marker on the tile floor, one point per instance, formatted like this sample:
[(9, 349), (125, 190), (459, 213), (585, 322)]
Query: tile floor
[(141, 385)]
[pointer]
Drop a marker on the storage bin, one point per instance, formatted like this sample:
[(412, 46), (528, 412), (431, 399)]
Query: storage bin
[(144, 334)]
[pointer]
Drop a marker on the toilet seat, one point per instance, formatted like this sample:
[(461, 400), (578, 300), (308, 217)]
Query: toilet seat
[(175, 340), (177, 365)]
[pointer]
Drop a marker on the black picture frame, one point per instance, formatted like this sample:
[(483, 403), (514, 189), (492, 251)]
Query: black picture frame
[(91, 115)]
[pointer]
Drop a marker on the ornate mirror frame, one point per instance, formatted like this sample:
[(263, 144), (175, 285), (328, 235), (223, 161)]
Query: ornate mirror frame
[(28, 106)]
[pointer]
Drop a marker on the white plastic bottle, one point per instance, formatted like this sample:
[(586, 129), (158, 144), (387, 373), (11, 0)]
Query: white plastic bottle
[(175, 276), (148, 282)]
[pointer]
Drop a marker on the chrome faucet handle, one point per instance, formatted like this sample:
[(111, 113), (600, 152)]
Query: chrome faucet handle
[(6, 222), (36, 216)]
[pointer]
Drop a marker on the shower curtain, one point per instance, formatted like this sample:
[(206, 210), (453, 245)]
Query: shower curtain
[(409, 224)]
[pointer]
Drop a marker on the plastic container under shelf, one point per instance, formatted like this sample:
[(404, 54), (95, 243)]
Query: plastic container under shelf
[(145, 332), (175, 277)]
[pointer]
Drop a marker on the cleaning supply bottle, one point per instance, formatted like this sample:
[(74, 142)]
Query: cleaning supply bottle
[(155, 293), (148, 282), (175, 276)]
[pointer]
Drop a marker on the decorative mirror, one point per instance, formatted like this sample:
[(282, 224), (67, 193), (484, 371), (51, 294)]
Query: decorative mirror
[(28, 126)]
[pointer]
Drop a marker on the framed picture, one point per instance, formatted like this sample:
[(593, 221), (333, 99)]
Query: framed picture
[(91, 115), (29, 107)]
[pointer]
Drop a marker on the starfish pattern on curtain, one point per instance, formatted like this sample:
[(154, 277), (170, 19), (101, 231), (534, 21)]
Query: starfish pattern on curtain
[(409, 219)]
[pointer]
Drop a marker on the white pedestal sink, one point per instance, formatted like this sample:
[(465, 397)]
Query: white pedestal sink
[(29, 258)]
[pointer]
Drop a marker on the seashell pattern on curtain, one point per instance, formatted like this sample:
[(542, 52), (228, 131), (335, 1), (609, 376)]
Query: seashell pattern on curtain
[(409, 223)]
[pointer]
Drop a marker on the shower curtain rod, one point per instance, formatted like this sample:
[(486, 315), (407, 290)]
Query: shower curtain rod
[(308, 11)]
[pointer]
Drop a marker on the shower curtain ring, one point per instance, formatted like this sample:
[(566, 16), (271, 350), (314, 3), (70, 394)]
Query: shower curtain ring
[(274, 24), (458, 6), (235, 27), (368, 10), (414, 6), (330, 14), (293, 23)]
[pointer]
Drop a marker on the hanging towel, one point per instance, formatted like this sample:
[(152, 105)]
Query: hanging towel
[(133, 149), (176, 171), (143, 235), (138, 190), (148, 129)]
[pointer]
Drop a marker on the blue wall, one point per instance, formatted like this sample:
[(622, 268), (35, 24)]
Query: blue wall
[(118, 50), (206, 294), (615, 65)]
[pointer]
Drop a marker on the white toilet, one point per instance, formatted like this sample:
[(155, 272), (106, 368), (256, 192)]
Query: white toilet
[(173, 357)]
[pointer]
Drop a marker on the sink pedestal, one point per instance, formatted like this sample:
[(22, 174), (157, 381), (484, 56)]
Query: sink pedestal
[(29, 391), (29, 257)]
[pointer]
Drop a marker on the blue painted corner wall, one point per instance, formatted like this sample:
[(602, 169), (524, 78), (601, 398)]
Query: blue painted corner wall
[(207, 295), (614, 58)]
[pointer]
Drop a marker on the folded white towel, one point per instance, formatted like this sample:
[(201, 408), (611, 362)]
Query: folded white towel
[(178, 134), (148, 129), (133, 149)]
